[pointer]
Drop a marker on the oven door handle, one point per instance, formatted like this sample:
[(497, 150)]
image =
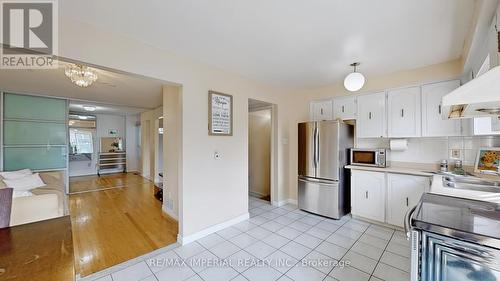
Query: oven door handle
[(407, 222)]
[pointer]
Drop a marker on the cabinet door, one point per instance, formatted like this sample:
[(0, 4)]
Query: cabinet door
[(433, 125), (403, 193), (321, 110), (344, 108), (404, 114), (371, 120), (368, 195)]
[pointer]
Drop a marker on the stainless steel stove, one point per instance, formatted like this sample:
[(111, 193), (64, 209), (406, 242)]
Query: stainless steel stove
[(454, 239)]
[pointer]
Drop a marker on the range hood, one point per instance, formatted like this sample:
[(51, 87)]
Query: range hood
[(479, 97)]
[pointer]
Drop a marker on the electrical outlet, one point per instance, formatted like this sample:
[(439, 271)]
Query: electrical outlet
[(455, 154)]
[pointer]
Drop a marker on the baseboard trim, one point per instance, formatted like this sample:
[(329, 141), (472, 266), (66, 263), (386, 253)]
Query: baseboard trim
[(170, 213), (284, 202), (257, 194), (183, 240)]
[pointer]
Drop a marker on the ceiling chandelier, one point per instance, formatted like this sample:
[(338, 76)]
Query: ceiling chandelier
[(355, 80), (81, 75)]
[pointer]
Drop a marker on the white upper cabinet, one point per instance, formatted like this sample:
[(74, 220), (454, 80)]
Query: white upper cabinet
[(403, 112), (344, 108), (371, 120), (321, 110), (433, 125)]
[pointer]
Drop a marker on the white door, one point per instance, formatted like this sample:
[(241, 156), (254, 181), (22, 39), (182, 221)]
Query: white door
[(344, 108), (368, 195), (321, 110), (404, 114), (433, 125), (403, 193), (371, 118)]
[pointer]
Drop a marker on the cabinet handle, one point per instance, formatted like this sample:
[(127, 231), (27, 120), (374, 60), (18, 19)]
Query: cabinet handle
[(342, 109), (366, 194), (321, 110), (369, 115), (402, 112), (439, 109), (407, 203)]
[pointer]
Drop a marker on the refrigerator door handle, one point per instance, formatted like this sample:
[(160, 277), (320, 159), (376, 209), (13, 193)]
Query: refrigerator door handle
[(315, 144), (317, 149)]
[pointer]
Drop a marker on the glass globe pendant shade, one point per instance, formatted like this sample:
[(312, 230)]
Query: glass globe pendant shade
[(354, 81)]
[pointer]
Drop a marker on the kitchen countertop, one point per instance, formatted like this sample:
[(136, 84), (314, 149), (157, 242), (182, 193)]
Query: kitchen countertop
[(417, 171), (37, 251)]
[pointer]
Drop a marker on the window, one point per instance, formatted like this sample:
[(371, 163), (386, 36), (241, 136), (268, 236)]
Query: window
[(81, 141)]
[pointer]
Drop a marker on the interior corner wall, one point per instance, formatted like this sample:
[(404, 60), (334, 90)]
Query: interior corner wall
[(172, 151)]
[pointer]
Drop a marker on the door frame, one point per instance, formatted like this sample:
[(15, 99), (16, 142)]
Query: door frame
[(273, 184)]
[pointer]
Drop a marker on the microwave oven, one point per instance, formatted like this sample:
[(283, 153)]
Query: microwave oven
[(376, 157)]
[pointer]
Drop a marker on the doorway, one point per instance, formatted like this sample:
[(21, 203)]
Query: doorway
[(260, 142)]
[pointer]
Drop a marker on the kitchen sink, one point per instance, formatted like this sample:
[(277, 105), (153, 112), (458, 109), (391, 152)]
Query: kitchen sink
[(471, 183)]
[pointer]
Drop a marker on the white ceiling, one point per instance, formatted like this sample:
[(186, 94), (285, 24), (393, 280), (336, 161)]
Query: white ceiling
[(291, 42), (110, 87)]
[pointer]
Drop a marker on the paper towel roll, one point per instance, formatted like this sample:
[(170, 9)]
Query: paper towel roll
[(398, 144)]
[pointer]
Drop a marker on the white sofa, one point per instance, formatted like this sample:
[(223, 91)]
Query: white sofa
[(34, 208), (48, 202)]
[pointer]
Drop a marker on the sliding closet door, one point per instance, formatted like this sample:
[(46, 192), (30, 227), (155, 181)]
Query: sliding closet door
[(34, 132)]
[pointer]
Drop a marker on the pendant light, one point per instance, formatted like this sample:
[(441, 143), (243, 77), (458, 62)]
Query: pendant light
[(355, 80)]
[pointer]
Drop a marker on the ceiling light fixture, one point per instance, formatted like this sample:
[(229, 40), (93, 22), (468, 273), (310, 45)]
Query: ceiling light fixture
[(81, 75), (89, 108), (355, 80)]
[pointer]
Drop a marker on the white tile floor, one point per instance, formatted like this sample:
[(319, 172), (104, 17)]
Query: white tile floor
[(283, 244)]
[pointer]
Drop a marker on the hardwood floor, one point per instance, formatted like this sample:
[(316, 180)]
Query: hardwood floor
[(93, 183), (114, 225)]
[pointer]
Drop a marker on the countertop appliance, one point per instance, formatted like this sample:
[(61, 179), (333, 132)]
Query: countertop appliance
[(323, 183), (376, 157), (454, 239)]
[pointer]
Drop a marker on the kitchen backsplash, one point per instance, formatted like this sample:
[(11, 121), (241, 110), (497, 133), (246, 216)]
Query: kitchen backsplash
[(433, 150)]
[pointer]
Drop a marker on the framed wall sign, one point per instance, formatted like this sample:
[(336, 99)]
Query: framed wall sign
[(488, 160), (220, 114)]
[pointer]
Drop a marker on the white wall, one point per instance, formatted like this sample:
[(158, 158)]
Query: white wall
[(106, 122), (131, 142), (149, 142), (126, 127)]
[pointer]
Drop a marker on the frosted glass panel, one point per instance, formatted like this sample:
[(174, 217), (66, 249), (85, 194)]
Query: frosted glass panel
[(33, 107), (35, 158), (34, 133)]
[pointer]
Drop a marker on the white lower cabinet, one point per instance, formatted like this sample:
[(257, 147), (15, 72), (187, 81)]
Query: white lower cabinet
[(385, 197), (403, 193), (368, 194)]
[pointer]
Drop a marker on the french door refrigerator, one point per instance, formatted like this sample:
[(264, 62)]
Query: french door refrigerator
[(324, 184)]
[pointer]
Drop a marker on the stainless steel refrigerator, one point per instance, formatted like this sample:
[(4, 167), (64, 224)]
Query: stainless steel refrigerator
[(324, 184)]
